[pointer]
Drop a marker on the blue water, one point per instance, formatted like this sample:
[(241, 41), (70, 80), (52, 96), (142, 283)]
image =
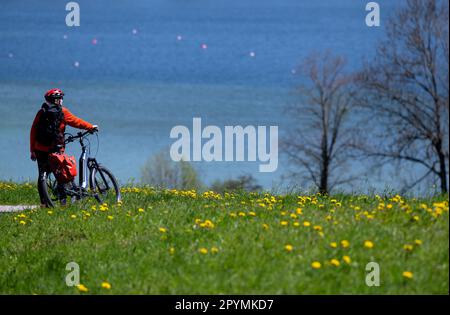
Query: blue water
[(138, 86)]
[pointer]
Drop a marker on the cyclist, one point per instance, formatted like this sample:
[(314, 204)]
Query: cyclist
[(47, 135)]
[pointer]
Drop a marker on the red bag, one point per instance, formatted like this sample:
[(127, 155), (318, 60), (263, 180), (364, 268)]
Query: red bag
[(63, 166)]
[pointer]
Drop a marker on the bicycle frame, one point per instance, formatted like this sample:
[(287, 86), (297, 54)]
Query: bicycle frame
[(87, 164)]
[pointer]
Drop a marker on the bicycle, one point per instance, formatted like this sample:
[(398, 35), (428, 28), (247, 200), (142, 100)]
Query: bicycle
[(103, 185)]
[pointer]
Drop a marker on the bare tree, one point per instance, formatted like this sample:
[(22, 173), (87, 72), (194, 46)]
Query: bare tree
[(319, 141), (405, 88)]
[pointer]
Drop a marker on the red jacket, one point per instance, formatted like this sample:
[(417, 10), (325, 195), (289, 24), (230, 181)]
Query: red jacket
[(69, 119)]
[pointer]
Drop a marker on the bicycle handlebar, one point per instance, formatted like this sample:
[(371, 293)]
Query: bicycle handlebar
[(78, 136)]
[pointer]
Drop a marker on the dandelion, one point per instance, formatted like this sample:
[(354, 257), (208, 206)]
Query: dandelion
[(172, 250), (242, 214), (333, 244), (106, 285), (408, 247), (288, 247), (418, 242), (345, 243), (296, 224), (162, 230), (265, 226), (368, 244), (73, 216), (22, 222), (251, 213), (306, 223), (407, 274), (203, 251), (214, 250), (207, 224), (141, 210), (50, 212), (316, 265), (82, 288), (284, 223), (110, 217), (335, 262), (346, 259), (317, 228), (299, 211)]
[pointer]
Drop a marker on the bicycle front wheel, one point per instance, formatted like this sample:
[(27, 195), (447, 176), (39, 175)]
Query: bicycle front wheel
[(104, 185)]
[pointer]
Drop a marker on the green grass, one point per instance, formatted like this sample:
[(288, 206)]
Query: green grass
[(131, 253)]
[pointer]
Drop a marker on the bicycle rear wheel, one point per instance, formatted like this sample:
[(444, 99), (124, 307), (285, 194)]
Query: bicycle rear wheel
[(104, 185)]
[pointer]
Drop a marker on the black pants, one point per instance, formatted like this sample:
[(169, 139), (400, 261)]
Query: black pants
[(44, 167)]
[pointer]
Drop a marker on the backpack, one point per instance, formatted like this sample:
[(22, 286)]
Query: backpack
[(63, 167), (48, 131)]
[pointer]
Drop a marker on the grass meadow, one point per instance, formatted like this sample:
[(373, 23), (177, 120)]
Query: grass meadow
[(187, 242)]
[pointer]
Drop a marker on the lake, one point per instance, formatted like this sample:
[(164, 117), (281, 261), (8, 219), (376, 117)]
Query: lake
[(139, 69)]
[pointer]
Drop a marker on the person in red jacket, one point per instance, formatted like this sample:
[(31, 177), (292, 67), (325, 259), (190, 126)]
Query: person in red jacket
[(47, 134)]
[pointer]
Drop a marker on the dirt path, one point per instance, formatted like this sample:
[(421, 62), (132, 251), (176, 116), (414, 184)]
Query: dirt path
[(16, 208)]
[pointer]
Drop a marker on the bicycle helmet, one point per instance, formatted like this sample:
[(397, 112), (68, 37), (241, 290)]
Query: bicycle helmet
[(53, 94)]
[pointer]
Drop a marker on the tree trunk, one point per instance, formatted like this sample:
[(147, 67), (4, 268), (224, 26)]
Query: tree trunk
[(442, 167)]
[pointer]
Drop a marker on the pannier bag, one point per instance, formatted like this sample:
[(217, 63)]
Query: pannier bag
[(63, 166)]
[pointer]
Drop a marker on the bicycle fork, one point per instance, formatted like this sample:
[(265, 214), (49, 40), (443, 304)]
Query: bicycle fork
[(83, 180)]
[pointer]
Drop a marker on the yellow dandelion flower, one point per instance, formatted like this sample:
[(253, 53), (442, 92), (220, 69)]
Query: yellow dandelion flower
[(141, 210), (407, 274), (288, 247), (251, 213), (296, 223), (418, 242), (368, 244), (317, 228), (110, 217), (345, 243), (172, 250), (50, 212), (82, 288), (346, 259), (299, 211), (22, 222), (214, 250), (284, 223), (203, 251), (408, 247), (306, 223), (73, 216), (316, 265), (242, 214), (106, 285), (162, 230), (335, 262), (265, 226), (333, 244)]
